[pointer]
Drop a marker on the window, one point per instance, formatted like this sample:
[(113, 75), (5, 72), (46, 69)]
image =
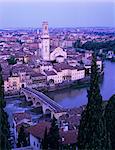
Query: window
[(46, 28), (14, 83), (34, 143), (46, 48)]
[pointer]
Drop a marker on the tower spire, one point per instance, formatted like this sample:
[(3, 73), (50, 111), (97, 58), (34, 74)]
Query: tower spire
[(45, 51)]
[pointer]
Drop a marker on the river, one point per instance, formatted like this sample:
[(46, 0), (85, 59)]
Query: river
[(74, 97)]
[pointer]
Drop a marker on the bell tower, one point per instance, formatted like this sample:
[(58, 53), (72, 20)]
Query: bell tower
[(45, 49)]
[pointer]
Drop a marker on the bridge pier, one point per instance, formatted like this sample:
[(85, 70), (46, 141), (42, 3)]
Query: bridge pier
[(45, 108), (57, 115), (28, 97)]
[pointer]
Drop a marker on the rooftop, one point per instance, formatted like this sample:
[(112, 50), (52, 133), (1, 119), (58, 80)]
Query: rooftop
[(20, 116), (48, 73), (69, 137)]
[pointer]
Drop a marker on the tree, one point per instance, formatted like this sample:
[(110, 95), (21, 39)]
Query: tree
[(53, 135), (4, 124), (22, 141), (92, 133), (77, 44), (12, 60), (110, 119), (45, 140)]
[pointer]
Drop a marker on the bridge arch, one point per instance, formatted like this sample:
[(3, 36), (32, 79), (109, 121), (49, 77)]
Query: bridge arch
[(51, 82), (48, 112), (23, 86), (38, 103)]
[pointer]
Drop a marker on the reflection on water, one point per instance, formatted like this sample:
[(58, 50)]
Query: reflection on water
[(67, 98), (77, 97), (108, 86)]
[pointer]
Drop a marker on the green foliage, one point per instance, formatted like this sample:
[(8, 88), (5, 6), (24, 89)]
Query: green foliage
[(110, 119), (4, 124), (11, 60), (19, 41), (53, 135), (5, 132), (22, 141), (45, 141), (77, 44), (92, 130), (93, 45)]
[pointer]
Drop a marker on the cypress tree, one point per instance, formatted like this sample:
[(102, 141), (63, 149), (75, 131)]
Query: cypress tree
[(53, 136), (22, 141), (92, 132), (110, 119), (45, 141), (4, 124)]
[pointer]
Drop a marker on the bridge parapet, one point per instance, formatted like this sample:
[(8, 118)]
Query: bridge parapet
[(45, 101)]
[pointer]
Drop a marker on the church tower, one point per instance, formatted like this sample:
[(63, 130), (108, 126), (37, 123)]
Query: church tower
[(45, 48)]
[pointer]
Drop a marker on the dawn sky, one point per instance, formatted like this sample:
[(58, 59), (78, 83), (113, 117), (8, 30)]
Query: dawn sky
[(59, 13)]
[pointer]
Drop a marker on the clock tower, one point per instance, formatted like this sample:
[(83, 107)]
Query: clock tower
[(45, 48)]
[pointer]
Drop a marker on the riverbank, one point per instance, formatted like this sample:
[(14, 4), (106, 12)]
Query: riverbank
[(82, 83), (75, 97)]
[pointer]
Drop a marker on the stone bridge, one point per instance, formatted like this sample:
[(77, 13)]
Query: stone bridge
[(40, 99)]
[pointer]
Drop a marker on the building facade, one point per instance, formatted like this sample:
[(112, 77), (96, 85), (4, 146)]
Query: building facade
[(45, 50)]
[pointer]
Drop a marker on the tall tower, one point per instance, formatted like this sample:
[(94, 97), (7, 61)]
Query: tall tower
[(45, 49)]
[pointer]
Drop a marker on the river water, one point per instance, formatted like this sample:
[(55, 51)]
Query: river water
[(75, 97)]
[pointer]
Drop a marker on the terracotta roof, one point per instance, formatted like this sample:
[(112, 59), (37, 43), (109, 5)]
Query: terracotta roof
[(39, 129), (64, 66), (35, 74), (20, 116), (57, 69), (50, 73), (69, 137)]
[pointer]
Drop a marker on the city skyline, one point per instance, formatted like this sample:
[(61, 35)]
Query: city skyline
[(28, 13)]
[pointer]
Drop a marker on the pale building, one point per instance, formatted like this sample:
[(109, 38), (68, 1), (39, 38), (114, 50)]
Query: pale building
[(88, 66), (59, 59), (38, 80), (88, 54), (58, 54), (12, 84), (66, 72), (99, 64), (110, 54), (52, 77), (45, 66), (59, 75), (77, 74), (45, 50)]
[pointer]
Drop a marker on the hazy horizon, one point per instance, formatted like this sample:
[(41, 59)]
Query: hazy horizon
[(65, 13)]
